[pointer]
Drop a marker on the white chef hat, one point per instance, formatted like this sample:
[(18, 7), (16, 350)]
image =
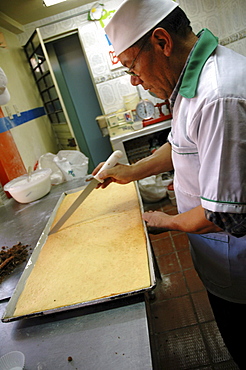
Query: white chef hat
[(4, 93), (134, 18)]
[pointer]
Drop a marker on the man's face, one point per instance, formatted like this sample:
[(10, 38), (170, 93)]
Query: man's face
[(152, 68)]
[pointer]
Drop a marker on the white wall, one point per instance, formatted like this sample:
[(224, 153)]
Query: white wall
[(35, 137), (225, 18)]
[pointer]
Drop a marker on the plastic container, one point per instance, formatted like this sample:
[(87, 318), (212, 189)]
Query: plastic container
[(137, 125), (26, 189), (130, 101), (171, 194), (14, 360)]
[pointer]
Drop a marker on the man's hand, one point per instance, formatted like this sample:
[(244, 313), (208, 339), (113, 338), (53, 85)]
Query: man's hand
[(193, 221), (122, 174), (156, 219), (160, 161)]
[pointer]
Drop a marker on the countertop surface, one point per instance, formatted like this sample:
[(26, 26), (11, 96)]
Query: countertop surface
[(114, 338), (112, 335)]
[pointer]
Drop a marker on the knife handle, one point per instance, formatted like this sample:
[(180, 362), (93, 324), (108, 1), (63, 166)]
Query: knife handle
[(110, 163)]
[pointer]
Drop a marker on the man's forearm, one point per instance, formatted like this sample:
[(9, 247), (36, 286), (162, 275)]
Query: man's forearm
[(193, 221), (160, 161)]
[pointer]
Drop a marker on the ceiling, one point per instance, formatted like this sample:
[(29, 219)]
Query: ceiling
[(14, 14)]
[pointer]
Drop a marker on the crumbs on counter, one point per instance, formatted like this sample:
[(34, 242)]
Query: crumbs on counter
[(10, 258)]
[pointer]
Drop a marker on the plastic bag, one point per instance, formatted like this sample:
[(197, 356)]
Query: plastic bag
[(72, 163), (65, 166), (47, 161), (154, 188)]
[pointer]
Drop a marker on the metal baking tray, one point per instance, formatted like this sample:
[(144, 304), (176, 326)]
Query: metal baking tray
[(9, 311)]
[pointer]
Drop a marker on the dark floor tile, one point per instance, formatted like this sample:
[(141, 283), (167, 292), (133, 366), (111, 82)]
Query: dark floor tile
[(169, 209), (175, 232), (193, 281), (153, 237), (182, 349), (185, 259), (162, 246), (181, 241), (202, 306), (164, 205), (171, 286), (168, 263), (172, 314), (157, 206)]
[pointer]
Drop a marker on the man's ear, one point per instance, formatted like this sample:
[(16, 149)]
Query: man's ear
[(163, 39)]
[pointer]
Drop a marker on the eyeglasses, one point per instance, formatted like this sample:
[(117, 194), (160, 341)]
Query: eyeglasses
[(134, 61)]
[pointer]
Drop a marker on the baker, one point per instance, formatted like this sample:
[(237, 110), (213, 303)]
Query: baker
[(206, 146)]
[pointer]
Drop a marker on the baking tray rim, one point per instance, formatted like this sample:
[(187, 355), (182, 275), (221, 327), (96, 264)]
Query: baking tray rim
[(10, 308)]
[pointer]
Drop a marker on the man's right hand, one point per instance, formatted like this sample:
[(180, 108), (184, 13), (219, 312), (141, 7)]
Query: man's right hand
[(158, 162), (121, 173)]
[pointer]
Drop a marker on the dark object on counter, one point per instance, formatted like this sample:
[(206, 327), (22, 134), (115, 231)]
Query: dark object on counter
[(10, 258)]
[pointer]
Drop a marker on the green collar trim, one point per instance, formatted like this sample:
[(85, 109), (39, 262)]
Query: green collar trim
[(205, 46)]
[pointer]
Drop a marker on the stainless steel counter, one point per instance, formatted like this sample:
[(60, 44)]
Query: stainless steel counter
[(110, 336), (116, 338)]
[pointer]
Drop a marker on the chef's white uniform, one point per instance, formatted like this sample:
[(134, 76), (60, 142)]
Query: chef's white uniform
[(208, 139)]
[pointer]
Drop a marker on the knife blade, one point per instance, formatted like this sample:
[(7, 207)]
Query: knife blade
[(110, 162)]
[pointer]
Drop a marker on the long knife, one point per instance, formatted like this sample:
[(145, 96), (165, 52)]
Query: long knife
[(110, 162)]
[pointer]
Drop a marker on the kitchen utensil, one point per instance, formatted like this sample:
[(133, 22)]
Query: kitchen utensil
[(29, 172), (111, 162)]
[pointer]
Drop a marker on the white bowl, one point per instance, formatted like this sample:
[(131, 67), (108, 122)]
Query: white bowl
[(14, 360), (25, 189)]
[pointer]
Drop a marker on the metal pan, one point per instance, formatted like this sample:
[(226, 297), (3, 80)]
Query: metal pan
[(10, 309)]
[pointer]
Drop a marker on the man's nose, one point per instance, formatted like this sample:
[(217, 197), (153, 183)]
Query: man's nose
[(135, 80)]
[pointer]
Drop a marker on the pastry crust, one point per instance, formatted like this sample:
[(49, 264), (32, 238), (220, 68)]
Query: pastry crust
[(101, 251)]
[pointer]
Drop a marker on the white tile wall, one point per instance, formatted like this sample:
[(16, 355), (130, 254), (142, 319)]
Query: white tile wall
[(225, 18)]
